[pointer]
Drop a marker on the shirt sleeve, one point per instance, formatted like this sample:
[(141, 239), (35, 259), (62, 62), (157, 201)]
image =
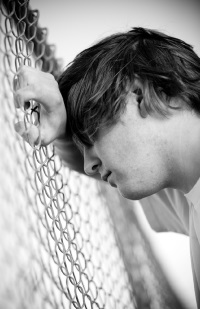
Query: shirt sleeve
[(167, 211)]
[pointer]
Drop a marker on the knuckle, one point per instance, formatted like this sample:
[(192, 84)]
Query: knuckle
[(18, 98), (26, 72), (22, 74), (49, 75), (22, 70)]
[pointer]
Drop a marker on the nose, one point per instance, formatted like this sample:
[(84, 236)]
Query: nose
[(91, 161)]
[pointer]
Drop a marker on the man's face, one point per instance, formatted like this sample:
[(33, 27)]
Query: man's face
[(132, 151)]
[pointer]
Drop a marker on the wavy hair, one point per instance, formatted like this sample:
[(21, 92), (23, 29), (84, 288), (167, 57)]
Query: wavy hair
[(94, 85)]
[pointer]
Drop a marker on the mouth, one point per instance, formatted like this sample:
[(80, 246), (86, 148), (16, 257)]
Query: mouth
[(105, 177), (108, 179)]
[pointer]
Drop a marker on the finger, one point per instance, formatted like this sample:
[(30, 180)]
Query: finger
[(30, 135), (15, 83), (43, 88), (23, 96), (19, 80), (28, 74), (33, 92), (20, 127)]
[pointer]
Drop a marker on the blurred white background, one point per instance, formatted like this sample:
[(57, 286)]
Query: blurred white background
[(75, 24)]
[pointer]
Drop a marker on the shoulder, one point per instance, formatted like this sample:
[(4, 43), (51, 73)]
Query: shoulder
[(167, 210)]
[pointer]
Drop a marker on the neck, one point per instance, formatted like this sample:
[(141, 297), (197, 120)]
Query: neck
[(186, 151)]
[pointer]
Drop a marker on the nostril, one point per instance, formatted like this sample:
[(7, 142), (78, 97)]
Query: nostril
[(95, 167)]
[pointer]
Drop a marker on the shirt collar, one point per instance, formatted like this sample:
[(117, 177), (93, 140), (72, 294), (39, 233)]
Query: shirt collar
[(194, 194)]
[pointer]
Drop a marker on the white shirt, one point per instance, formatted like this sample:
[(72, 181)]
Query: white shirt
[(171, 210), (193, 198)]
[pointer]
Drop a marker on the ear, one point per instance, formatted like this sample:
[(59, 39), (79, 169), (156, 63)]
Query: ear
[(138, 90)]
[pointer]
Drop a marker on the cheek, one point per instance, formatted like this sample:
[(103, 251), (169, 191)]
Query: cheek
[(134, 187), (141, 181)]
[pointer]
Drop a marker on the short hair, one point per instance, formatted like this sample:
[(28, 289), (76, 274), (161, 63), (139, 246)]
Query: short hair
[(94, 85)]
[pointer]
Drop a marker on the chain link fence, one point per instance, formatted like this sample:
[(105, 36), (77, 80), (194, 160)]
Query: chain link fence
[(59, 246)]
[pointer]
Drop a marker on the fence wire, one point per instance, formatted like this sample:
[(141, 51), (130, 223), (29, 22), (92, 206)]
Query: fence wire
[(59, 246)]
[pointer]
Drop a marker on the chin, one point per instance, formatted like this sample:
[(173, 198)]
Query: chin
[(134, 195), (138, 189)]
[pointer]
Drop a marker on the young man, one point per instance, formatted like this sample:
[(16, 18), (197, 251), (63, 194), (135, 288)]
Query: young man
[(131, 105)]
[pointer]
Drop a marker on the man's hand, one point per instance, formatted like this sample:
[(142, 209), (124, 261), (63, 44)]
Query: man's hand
[(32, 84)]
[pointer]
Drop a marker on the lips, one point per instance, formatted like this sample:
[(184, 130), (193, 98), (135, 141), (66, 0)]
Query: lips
[(105, 177), (110, 181)]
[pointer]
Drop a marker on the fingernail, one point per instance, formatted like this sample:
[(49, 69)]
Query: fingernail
[(26, 138), (15, 83), (34, 137), (38, 142)]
